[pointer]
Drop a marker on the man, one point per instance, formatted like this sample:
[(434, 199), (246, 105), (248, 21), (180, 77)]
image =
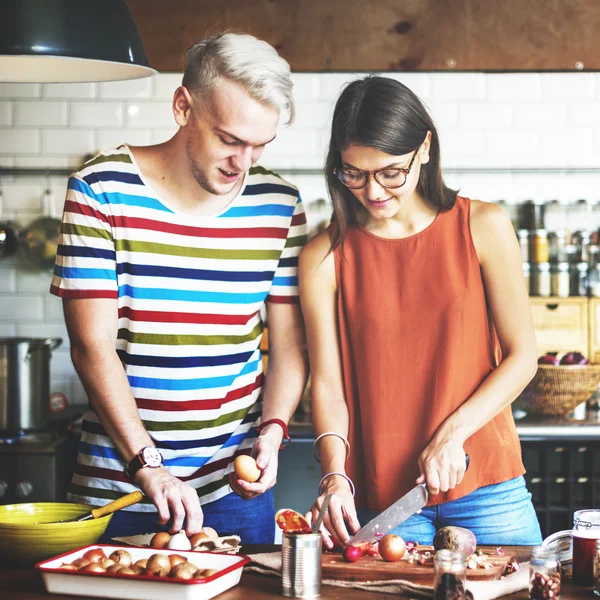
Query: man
[(167, 255)]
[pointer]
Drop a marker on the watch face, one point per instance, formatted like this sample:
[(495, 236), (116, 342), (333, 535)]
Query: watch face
[(152, 457)]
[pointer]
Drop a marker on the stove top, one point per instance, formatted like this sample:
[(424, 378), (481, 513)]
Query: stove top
[(26, 437)]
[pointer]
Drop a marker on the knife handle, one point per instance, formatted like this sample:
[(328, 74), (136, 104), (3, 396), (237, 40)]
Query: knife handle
[(117, 504), (467, 462)]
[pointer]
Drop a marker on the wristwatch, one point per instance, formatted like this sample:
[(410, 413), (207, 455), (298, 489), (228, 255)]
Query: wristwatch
[(146, 457)]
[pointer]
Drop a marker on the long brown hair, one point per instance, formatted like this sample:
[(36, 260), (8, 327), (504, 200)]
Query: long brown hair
[(381, 113)]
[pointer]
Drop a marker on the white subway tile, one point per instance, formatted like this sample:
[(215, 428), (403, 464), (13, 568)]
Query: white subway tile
[(59, 385), (53, 308), (112, 138), (20, 90), (43, 329), (149, 115), (19, 141), (459, 86), (61, 365), (444, 114), (7, 161), (97, 114), (68, 141), (22, 308), (540, 114), (512, 148), (307, 86), (568, 86), (50, 162), (419, 83), (6, 113), (70, 91), (33, 280), (78, 395), (312, 115), (125, 90), (7, 329), (567, 147), (41, 113), (333, 83), (459, 144), (8, 281), (490, 115), (165, 85), (23, 197), (513, 86), (162, 135), (289, 143), (584, 114)]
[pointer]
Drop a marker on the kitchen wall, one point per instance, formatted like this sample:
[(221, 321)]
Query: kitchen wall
[(504, 136)]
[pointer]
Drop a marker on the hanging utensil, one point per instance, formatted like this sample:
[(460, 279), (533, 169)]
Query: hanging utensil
[(40, 238), (9, 239), (107, 509)]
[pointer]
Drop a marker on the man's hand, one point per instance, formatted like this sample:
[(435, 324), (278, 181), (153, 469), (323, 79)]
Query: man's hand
[(266, 453), (174, 499)]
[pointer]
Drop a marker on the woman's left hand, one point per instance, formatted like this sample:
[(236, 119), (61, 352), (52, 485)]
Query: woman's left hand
[(442, 465)]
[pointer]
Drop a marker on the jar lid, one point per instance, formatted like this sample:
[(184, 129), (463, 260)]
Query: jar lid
[(562, 543)]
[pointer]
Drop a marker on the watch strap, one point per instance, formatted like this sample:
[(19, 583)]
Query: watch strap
[(286, 434)]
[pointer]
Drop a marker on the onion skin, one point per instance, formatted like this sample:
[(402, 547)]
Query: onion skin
[(391, 547), (352, 553)]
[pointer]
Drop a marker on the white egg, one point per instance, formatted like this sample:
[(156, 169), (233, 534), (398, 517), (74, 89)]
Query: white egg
[(179, 542)]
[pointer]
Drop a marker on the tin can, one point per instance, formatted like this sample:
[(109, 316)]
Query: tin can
[(301, 565)]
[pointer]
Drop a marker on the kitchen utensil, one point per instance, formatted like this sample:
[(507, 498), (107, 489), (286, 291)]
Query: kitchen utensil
[(291, 521), (227, 567), (9, 239), (26, 539), (317, 524), (40, 238), (396, 514), (107, 509), (25, 383)]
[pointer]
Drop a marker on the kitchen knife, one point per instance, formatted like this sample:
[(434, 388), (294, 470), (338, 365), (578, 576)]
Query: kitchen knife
[(395, 514)]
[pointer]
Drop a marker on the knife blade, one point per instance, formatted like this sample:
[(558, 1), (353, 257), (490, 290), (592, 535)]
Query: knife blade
[(393, 516), (396, 514)]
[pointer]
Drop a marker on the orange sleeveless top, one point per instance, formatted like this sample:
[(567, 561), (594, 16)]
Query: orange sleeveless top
[(416, 341)]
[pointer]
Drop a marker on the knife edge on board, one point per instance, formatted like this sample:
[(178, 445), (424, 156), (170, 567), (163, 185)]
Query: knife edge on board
[(394, 515)]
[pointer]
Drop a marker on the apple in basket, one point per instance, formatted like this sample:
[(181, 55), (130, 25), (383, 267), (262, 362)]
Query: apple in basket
[(548, 359), (574, 358)]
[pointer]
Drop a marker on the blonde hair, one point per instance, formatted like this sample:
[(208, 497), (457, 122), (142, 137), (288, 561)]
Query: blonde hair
[(251, 62)]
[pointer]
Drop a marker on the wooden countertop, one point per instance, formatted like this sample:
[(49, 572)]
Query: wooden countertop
[(26, 584)]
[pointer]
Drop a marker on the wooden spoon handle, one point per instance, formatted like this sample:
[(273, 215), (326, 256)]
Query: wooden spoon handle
[(117, 504)]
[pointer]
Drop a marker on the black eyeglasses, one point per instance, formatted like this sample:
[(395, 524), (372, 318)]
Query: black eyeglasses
[(391, 179)]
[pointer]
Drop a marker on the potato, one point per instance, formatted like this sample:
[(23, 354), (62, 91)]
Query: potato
[(455, 538)]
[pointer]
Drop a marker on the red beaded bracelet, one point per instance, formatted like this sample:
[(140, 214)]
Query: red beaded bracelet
[(286, 434)]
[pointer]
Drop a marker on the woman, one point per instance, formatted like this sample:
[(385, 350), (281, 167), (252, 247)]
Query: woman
[(399, 298)]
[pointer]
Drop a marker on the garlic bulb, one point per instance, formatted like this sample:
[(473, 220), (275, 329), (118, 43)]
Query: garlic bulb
[(179, 542)]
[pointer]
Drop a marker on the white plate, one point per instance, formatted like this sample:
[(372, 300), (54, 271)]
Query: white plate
[(139, 587)]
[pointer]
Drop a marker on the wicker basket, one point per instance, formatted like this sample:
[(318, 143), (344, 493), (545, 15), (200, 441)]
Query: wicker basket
[(558, 390)]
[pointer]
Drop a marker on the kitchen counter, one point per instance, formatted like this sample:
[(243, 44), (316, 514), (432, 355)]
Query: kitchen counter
[(26, 584), (582, 424)]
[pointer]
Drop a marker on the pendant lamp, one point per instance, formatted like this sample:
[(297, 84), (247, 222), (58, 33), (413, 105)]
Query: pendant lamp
[(69, 40)]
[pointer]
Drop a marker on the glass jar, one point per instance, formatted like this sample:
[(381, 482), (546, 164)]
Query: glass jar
[(450, 575), (579, 279), (544, 574), (557, 246), (560, 283), (538, 246), (594, 281), (597, 568), (540, 279), (527, 276), (523, 236)]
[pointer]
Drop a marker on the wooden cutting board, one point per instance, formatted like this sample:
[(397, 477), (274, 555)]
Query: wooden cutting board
[(373, 568)]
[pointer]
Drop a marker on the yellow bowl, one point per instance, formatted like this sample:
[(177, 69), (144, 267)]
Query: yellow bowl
[(28, 535)]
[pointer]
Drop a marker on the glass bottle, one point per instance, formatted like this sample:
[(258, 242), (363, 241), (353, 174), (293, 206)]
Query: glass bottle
[(544, 574), (560, 280), (450, 575)]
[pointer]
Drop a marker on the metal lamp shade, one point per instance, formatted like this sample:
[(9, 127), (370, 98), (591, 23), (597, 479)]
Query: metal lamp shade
[(68, 41)]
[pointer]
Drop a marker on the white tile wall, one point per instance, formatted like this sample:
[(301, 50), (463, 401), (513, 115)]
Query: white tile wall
[(503, 121)]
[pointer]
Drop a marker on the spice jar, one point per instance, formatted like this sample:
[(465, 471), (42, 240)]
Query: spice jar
[(557, 246), (540, 279), (527, 275), (579, 279), (523, 236), (450, 575), (560, 283), (538, 246), (597, 568), (544, 574)]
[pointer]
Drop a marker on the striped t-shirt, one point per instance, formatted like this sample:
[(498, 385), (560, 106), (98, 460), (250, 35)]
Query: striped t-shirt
[(189, 291)]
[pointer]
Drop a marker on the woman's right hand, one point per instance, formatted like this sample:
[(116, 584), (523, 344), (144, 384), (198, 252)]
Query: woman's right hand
[(340, 522)]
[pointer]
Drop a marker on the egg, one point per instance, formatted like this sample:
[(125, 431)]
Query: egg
[(245, 468), (160, 540), (179, 542)]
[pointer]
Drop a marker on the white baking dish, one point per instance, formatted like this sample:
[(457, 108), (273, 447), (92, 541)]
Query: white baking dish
[(138, 587)]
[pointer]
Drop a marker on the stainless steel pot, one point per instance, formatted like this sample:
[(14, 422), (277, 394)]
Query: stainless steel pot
[(25, 383)]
